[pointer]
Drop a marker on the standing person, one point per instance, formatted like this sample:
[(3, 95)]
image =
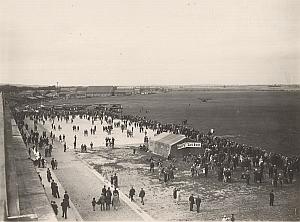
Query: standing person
[(53, 188), (116, 191), (152, 166), (115, 180), (198, 202), (64, 207), (50, 149), (112, 142), (67, 198), (108, 198), (115, 201), (131, 193), (272, 196), (49, 175), (43, 162), (55, 164), (29, 152), (178, 196), (56, 192), (102, 202), (142, 195), (112, 180), (192, 202), (104, 190), (232, 217), (175, 193), (52, 164), (94, 203), (65, 147)]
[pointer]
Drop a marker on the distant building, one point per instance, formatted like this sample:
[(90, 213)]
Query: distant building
[(95, 91), (26, 93), (123, 91), (68, 89), (80, 94)]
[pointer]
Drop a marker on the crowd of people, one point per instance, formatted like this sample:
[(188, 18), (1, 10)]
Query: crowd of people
[(220, 154)]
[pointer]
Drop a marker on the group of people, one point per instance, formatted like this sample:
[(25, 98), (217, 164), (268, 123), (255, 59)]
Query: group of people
[(106, 199), (141, 194), (109, 142), (65, 204)]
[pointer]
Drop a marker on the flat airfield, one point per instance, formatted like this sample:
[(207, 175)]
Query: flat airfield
[(250, 117), (266, 119)]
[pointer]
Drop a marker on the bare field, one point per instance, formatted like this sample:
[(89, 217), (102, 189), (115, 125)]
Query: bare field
[(267, 119), (218, 198)]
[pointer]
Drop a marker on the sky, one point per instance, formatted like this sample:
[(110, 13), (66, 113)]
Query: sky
[(147, 42)]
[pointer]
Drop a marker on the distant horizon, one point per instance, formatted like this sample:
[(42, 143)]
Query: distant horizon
[(172, 85)]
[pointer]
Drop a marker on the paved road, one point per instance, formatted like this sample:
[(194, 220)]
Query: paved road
[(83, 183)]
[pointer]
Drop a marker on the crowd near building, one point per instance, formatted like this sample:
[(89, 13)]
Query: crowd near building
[(204, 152)]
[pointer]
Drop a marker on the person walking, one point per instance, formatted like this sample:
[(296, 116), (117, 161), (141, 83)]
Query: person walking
[(67, 198), (64, 207), (272, 196), (131, 193), (192, 202), (56, 192), (54, 207), (142, 195), (198, 202), (94, 203)]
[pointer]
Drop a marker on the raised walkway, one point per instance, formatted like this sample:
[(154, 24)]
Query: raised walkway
[(3, 197), (83, 183), (23, 197)]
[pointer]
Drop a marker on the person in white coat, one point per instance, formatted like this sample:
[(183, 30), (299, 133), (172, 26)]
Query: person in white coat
[(178, 196)]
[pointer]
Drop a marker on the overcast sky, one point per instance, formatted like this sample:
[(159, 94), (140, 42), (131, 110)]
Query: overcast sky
[(141, 42)]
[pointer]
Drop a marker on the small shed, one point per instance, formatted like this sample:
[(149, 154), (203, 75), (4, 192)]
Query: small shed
[(165, 144)]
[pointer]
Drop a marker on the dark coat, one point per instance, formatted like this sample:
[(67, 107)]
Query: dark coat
[(132, 192), (142, 193), (198, 201), (191, 200), (64, 205)]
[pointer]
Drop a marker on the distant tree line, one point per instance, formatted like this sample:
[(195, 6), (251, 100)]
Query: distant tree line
[(12, 88)]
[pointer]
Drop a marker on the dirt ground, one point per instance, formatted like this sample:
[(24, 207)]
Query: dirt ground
[(218, 198)]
